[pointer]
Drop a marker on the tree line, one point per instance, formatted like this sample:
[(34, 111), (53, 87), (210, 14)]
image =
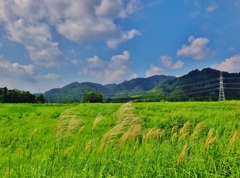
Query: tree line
[(18, 96)]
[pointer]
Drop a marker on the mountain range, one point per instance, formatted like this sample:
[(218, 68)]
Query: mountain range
[(75, 91), (196, 85)]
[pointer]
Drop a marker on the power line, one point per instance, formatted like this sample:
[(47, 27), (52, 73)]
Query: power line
[(232, 78), (197, 83), (201, 88), (231, 83), (203, 91), (230, 88)]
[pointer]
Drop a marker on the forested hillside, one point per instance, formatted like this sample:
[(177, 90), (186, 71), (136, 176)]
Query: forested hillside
[(198, 85), (74, 92)]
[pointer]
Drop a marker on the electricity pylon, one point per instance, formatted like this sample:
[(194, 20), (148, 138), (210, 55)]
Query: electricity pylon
[(221, 88)]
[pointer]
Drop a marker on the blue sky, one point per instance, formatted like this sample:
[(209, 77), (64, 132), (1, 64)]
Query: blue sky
[(47, 44)]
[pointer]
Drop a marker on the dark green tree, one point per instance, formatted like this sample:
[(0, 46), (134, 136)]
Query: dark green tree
[(91, 97), (40, 99), (5, 97)]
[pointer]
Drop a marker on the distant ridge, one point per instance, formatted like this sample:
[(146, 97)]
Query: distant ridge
[(75, 91), (199, 85)]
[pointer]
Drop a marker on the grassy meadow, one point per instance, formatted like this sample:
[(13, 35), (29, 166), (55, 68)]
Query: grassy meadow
[(162, 139)]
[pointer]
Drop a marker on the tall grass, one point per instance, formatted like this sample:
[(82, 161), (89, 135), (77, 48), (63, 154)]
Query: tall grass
[(113, 140)]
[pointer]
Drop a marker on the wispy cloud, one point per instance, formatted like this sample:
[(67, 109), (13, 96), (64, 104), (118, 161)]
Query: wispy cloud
[(125, 36), (50, 76), (231, 48), (152, 4), (212, 7)]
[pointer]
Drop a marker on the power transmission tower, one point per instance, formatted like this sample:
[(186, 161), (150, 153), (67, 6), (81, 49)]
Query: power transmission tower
[(221, 89)]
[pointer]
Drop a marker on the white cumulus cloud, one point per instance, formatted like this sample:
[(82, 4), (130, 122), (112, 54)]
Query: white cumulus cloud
[(14, 71), (32, 23), (153, 70), (23, 24), (231, 64), (167, 61), (95, 62), (115, 70), (197, 49), (86, 21), (24, 77)]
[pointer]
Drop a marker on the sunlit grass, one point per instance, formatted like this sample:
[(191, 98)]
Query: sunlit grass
[(192, 139)]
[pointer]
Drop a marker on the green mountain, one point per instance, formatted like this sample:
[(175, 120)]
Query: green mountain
[(138, 86), (74, 92), (198, 85)]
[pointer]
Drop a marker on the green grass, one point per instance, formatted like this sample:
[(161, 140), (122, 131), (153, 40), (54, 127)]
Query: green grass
[(162, 139)]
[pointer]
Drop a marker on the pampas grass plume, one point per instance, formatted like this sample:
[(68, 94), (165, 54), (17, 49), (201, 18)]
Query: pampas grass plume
[(197, 129), (33, 134), (132, 132), (185, 128), (96, 121), (210, 139), (235, 137), (182, 155)]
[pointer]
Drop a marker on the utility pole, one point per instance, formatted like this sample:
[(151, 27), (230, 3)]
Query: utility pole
[(221, 88)]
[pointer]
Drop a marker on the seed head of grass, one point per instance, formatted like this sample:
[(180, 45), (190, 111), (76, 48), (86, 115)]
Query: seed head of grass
[(126, 115), (68, 123), (79, 131), (33, 134), (111, 135), (96, 121), (148, 134), (89, 145), (135, 146), (174, 137), (132, 132), (210, 139), (123, 112), (126, 118), (183, 136), (197, 129), (185, 128), (159, 133), (182, 155), (235, 137), (68, 151), (174, 129)]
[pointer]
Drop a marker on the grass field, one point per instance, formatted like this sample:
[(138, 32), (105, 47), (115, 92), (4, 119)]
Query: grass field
[(162, 139)]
